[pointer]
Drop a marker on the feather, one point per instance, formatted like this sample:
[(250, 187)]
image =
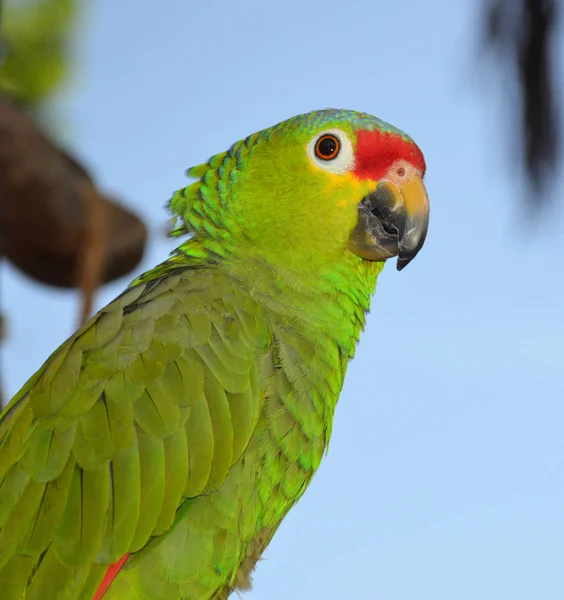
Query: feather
[(79, 536), (123, 513), (152, 486), (176, 473)]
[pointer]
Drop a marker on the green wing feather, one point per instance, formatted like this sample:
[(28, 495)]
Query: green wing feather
[(150, 403)]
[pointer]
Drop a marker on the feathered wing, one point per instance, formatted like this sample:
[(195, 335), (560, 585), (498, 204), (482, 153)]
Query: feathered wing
[(151, 402)]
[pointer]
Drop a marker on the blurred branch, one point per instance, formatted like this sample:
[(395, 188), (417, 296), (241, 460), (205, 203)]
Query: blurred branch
[(57, 227), (523, 32), (91, 259)]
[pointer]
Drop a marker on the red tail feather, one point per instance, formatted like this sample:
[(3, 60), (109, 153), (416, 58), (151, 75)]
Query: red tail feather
[(110, 575)]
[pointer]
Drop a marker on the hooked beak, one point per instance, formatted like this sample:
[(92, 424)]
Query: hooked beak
[(392, 221)]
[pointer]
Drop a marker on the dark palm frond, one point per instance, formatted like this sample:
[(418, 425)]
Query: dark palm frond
[(523, 31)]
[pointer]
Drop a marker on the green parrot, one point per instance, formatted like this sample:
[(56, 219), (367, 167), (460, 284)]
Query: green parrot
[(156, 452)]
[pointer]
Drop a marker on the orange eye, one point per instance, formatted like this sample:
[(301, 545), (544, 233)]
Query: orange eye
[(327, 147)]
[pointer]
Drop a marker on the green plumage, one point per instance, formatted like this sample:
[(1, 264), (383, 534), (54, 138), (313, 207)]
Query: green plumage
[(187, 417)]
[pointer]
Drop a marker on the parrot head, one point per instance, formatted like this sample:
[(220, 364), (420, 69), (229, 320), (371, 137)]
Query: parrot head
[(311, 189)]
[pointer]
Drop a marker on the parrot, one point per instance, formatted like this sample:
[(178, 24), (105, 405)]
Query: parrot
[(158, 449)]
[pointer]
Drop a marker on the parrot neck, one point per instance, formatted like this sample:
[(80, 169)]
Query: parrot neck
[(331, 303), (318, 315)]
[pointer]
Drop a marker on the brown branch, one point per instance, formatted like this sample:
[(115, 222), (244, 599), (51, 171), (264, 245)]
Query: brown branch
[(51, 204), (92, 254)]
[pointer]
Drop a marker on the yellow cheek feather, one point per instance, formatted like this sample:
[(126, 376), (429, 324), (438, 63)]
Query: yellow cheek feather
[(334, 210), (346, 188)]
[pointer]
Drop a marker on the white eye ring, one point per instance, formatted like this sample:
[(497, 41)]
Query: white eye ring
[(342, 161)]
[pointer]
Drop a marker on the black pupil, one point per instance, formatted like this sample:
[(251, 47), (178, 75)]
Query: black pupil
[(327, 147)]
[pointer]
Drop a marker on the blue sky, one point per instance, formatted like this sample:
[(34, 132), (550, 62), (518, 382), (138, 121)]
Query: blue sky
[(445, 475)]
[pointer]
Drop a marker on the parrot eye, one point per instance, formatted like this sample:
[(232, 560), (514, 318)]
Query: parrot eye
[(327, 147), (332, 151)]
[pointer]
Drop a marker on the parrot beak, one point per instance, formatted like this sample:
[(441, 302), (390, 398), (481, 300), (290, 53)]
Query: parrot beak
[(392, 220)]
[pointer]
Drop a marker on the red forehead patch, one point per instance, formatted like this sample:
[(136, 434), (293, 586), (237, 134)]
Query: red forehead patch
[(377, 151)]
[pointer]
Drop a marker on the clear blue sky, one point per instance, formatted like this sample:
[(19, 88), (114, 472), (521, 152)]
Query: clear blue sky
[(445, 475)]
